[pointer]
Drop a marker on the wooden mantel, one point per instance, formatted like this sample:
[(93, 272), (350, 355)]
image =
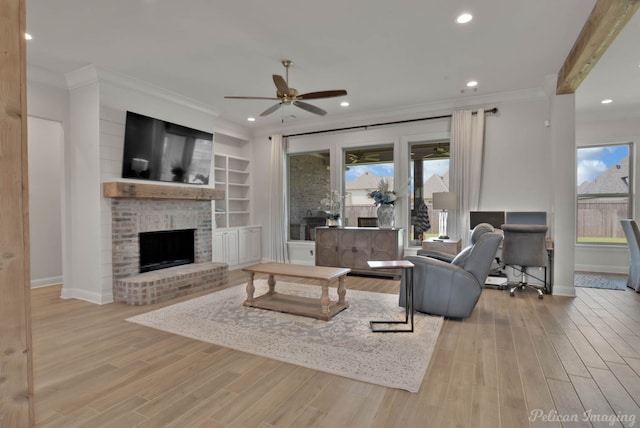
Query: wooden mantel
[(119, 189)]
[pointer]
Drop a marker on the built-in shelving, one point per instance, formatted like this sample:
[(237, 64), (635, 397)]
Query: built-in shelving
[(231, 174)]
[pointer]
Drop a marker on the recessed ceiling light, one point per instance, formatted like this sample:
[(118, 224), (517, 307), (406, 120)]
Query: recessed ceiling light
[(28, 36), (251, 119), (607, 101), (472, 83), (345, 104), (464, 18)]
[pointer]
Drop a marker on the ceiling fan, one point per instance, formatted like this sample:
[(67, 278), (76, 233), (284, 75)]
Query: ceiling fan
[(363, 157), (288, 96), (438, 152)]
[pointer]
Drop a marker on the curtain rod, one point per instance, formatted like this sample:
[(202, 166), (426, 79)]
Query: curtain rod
[(397, 122)]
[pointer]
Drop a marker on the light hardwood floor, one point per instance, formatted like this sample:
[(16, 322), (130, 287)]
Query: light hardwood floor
[(512, 356)]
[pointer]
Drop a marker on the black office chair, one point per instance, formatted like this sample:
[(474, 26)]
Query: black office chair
[(524, 246), (367, 221)]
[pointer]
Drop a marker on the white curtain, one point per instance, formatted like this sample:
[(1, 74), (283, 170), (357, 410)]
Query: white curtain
[(278, 200), (465, 171)]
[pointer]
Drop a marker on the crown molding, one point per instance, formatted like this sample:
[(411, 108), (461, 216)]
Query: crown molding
[(91, 74)]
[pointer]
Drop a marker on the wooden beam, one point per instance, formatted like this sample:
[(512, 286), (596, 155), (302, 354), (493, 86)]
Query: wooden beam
[(120, 189), (607, 19), (16, 359)]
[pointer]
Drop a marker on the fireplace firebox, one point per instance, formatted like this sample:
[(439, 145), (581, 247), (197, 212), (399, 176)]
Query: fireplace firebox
[(166, 248)]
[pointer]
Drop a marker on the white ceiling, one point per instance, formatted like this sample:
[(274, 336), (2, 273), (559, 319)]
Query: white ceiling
[(387, 55)]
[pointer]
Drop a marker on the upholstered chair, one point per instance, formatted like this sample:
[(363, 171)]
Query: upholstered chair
[(632, 234), (452, 289), (524, 247)]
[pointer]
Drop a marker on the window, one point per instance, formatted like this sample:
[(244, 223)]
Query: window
[(604, 193), (429, 170), (364, 168), (309, 181)]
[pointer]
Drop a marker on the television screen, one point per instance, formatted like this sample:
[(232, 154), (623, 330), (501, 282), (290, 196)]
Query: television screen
[(162, 151), (494, 218)]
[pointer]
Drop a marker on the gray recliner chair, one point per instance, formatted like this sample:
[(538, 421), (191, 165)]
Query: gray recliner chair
[(453, 289), (632, 233)]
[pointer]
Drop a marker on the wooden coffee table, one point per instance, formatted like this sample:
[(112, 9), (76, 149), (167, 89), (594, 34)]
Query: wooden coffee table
[(322, 308)]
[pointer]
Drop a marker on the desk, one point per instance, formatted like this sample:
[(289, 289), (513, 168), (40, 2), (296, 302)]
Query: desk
[(408, 312)]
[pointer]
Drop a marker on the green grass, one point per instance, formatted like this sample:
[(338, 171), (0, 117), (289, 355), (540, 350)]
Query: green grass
[(597, 240)]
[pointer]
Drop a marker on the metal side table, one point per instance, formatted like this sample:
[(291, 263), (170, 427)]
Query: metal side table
[(408, 315)]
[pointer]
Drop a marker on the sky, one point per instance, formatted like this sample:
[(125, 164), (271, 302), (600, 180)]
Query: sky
[(593, 161)]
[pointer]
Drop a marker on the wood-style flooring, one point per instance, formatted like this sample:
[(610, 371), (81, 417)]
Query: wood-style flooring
[(516, 362)]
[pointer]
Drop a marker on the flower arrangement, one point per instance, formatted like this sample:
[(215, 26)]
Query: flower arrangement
[(332, 204), (383, 196)]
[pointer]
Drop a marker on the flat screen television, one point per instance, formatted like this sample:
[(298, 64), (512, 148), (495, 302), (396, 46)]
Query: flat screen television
[(163, 151)]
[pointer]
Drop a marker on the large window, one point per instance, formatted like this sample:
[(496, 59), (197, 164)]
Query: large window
[(364, 168), (429, 169), (309, 182), (604, 192)]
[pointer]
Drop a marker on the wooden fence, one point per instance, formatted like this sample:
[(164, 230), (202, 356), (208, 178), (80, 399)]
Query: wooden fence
[(600, 219)]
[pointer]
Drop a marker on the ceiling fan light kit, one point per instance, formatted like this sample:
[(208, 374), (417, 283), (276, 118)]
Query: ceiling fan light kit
[(286, 95)]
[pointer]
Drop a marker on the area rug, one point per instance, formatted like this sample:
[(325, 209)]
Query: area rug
[(343, 346), (609, 281)]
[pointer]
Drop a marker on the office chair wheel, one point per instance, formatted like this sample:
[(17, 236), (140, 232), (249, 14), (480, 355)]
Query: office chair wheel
[(540, 296), (511, 293)]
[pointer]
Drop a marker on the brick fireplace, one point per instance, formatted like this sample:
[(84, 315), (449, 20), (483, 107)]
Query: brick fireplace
[(141, 208), (130, 217)]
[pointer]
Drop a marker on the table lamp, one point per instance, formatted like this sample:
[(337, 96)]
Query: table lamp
[(444, 201)]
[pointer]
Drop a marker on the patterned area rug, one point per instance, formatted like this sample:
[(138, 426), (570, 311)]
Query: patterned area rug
[(344, 346), (610, 281)]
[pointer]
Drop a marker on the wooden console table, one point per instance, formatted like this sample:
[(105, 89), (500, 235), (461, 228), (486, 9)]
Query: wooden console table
[(322, 308), (352, 247)]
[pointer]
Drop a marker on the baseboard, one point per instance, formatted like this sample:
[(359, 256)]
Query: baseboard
[(564, 290), (97, 298), (46, 282), (602, 269)]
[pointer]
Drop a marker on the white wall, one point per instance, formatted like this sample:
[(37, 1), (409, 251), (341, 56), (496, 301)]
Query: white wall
[(48, 98), (45, 200)]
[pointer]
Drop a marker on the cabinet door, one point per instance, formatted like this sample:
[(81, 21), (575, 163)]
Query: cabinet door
[(225, 247), (384, 245), (219, 247), (232, 248), (354, 248), (327, 247), (249, 245)]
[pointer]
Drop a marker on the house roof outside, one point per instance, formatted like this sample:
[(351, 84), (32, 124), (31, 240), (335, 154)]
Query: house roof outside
[(614, 180)]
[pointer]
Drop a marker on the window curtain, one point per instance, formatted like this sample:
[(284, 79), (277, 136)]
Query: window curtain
[(467, 145), (278, 200)]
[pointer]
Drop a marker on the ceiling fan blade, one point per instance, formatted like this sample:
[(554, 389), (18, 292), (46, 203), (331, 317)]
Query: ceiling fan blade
[(281, 84), (322, 94), (271, 109), (251, 98), (310, 108)]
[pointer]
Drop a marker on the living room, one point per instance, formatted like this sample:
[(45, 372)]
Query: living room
[(528, 165)]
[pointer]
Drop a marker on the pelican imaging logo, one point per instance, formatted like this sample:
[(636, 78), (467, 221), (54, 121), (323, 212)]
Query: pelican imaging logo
[(587, 416)]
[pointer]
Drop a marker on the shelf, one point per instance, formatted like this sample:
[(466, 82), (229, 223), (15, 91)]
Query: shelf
[(128, 190), (232, 175)]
